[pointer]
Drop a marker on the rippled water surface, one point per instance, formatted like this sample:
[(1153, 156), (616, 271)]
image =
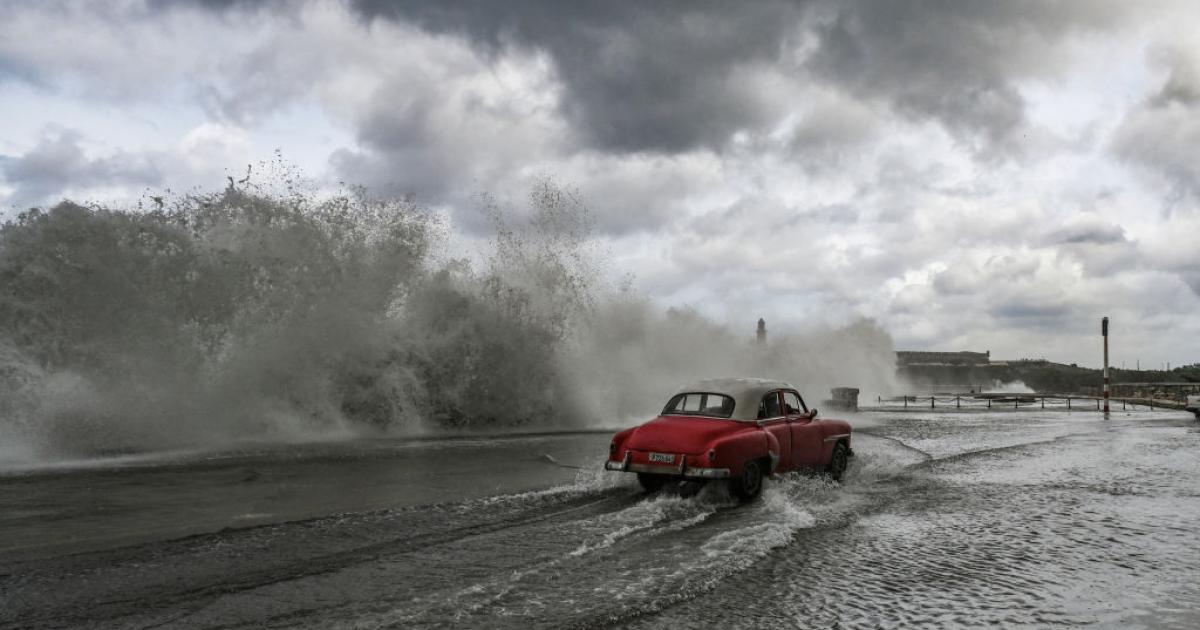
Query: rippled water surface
[(1034, 519)]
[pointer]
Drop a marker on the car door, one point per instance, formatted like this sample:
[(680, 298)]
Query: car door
[(806, 432), (774, 421)]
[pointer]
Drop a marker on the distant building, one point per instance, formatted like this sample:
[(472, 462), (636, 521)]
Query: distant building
[(909, 357), (762, 331), (842, 399)]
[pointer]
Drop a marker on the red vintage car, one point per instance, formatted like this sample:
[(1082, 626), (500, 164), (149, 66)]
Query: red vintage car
[(736, 430)]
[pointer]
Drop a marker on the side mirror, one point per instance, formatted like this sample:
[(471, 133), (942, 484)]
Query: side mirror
[(813, 413)]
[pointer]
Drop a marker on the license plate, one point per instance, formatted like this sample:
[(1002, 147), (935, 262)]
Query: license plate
[(662, 457)]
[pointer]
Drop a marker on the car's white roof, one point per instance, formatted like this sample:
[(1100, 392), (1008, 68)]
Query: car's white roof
[(746, 392)]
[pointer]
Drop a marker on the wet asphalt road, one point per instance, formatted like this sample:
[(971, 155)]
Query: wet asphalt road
[(1033, 519)]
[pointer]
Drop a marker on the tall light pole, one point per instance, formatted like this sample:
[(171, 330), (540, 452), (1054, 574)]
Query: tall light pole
[(1104, 333)]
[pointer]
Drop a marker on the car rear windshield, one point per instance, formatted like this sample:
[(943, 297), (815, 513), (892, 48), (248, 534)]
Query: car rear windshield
[(700, 404)]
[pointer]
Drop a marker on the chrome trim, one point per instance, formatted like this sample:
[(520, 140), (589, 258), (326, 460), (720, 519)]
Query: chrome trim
[(628, 458), (670, 471), (834, 438)]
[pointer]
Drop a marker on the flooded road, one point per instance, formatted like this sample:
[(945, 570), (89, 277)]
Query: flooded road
[(1035, 519)]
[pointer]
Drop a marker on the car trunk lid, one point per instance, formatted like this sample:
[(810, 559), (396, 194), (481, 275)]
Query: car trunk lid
[(681, 434)]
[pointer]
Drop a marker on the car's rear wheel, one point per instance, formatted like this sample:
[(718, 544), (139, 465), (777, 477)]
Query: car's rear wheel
[(838, 461), (747, 485), (651, 483)]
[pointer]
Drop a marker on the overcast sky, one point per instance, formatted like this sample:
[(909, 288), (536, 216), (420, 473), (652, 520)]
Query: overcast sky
[(973, 175)]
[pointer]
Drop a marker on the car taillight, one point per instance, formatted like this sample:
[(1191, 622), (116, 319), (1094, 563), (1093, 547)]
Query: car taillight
[(612, 448), (712, 455)]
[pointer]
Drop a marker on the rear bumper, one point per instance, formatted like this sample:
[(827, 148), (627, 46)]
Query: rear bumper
[(670, 471)]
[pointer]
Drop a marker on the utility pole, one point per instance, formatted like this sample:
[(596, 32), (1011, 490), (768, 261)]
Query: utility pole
[(1104, 333)]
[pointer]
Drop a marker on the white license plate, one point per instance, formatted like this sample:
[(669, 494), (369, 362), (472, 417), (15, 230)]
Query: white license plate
[(662, 457)]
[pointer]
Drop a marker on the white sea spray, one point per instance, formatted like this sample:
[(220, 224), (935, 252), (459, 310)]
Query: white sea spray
[(272, 313)]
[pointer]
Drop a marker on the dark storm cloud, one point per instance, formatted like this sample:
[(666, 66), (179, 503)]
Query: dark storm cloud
[(58, 163), (11, 69), (262, 84), (832, 129), (675, 75), (659, 76), (1087, 232), (667, 76), (403, 172), (955, 61), (998, 272), (1192, 280), (216, 5), (1161, 135), (1182, 85)]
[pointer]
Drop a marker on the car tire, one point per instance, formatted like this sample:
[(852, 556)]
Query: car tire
[(749, 483), (838, 461), (651, 483)]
